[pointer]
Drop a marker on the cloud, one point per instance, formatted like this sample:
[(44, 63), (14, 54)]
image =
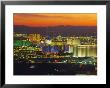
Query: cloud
[(43, 15)]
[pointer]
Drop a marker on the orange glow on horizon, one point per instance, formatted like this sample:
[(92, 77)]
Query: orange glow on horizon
[(55, 19)]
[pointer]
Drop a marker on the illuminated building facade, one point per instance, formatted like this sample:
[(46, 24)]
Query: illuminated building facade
[(35, 38)]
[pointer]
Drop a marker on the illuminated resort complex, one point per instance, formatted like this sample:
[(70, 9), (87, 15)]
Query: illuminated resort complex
[(38, 49)]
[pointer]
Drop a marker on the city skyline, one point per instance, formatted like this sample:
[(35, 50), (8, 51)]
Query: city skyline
[(55, 43)]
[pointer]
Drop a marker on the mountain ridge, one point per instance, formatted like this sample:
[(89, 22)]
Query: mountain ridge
[(56, 29)]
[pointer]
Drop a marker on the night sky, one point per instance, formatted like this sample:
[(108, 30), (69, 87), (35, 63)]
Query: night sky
[(65, 23), (55, 19)]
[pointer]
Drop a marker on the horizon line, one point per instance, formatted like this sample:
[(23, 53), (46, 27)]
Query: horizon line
[(55, 26)]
